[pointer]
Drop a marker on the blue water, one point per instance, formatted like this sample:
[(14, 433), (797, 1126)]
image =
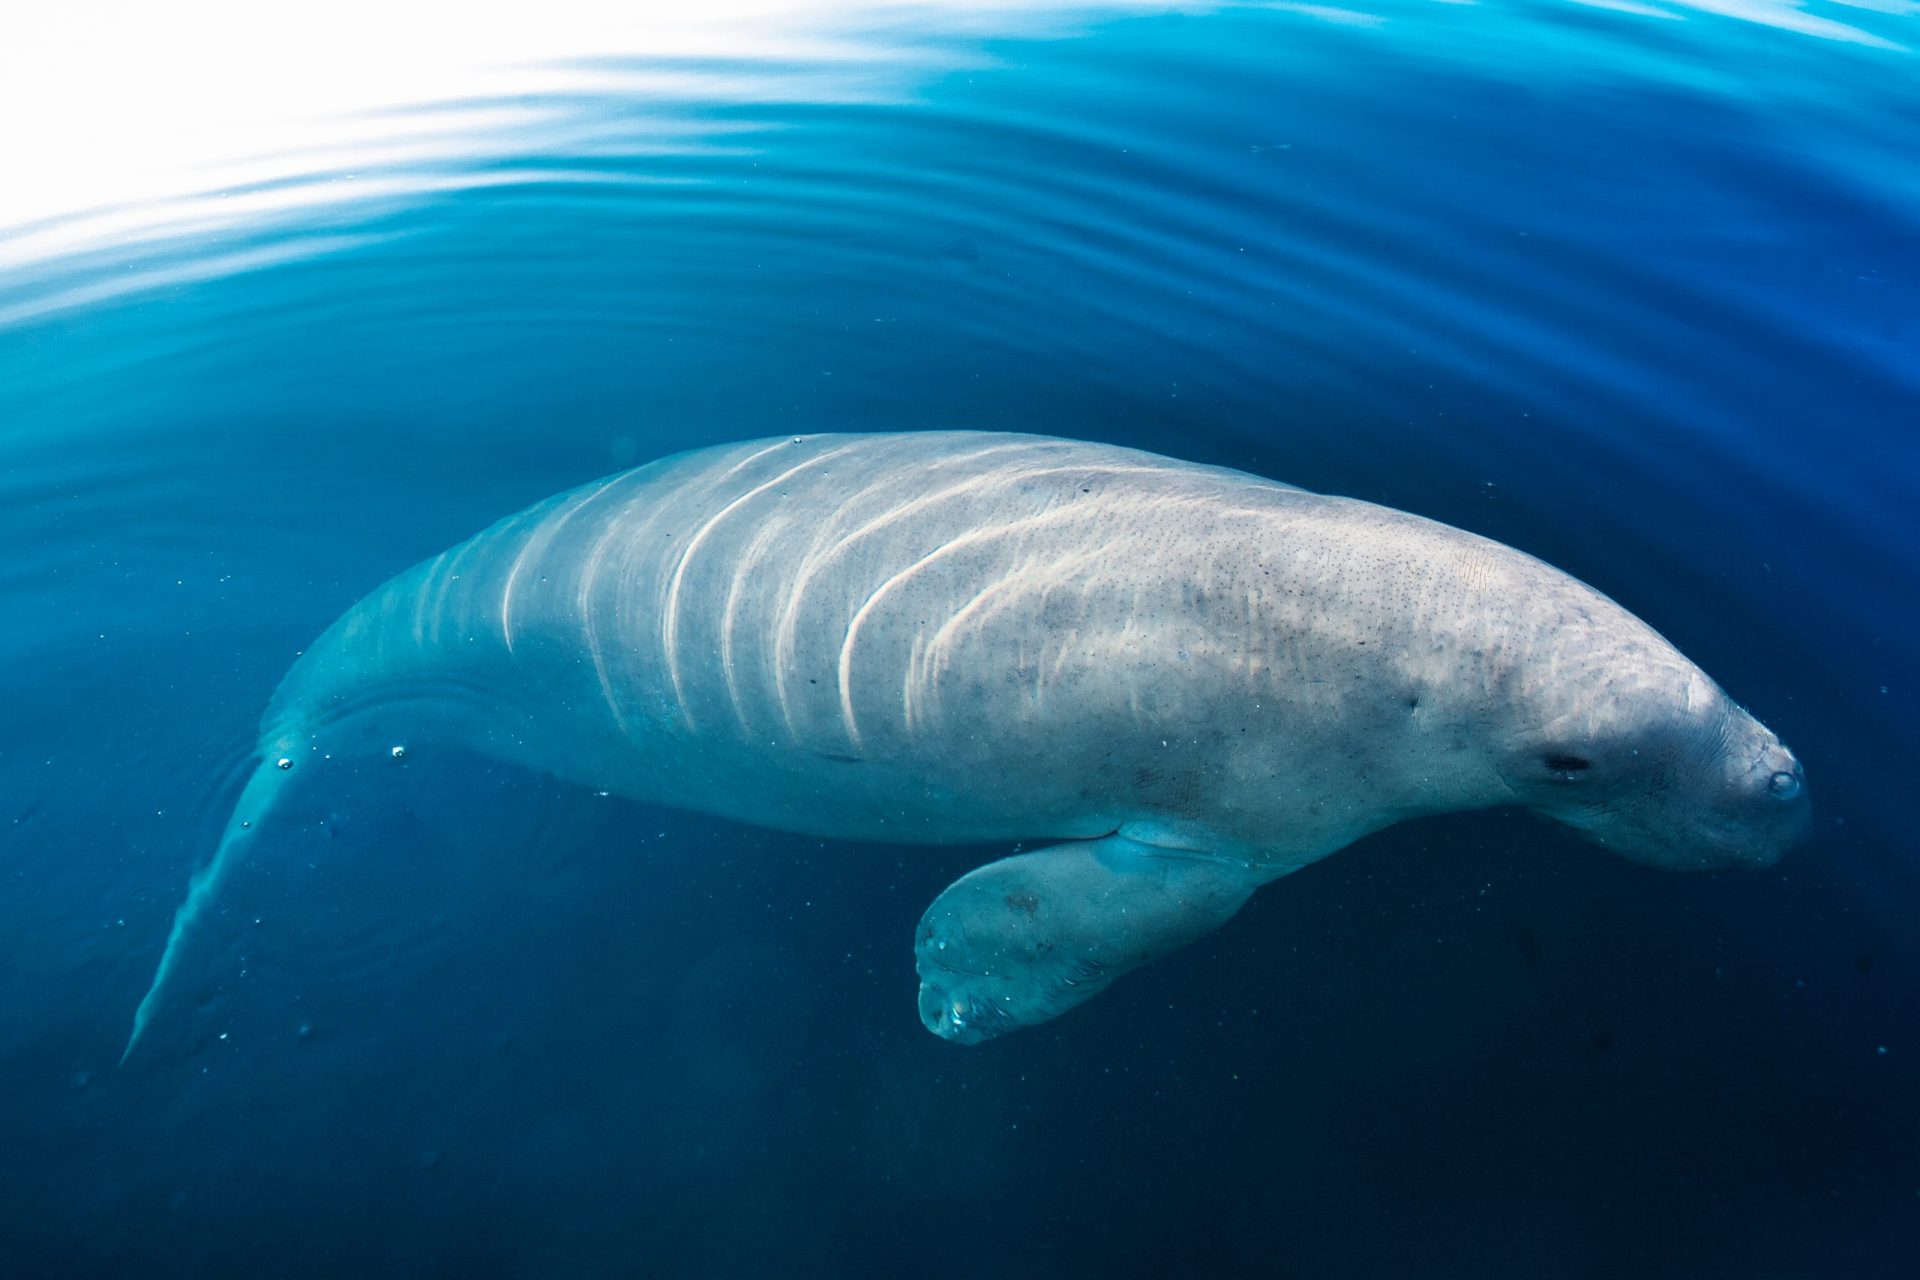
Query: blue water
[(1636, 291)]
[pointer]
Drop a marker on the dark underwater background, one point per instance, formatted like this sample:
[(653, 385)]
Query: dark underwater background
[(1633, 287)]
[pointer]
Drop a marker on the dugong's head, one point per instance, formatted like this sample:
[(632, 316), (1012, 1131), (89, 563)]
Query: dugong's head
[(1620, 737)]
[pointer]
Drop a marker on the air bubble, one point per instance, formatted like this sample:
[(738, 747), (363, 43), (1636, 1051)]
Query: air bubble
[(283, 763), (399, 753)]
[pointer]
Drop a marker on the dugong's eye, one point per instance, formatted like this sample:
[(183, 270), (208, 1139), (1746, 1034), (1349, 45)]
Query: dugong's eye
[(1568, 765)]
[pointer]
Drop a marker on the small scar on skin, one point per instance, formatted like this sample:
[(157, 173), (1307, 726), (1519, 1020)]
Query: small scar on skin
[(1024, 903)]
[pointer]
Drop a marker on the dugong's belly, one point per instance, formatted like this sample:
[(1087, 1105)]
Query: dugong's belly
[(933, 637)]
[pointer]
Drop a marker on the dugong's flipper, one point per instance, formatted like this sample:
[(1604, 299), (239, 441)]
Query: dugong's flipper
[(1025, 939)]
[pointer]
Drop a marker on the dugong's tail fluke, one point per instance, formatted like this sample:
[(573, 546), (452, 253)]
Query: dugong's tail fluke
[(262, 789)]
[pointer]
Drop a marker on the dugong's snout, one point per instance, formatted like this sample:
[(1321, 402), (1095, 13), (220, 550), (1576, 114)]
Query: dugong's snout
[(1739, 802), (1751, 815), (1764, 807)]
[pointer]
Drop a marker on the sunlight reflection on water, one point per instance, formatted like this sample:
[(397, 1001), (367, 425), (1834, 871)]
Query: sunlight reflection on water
[(191, 119)]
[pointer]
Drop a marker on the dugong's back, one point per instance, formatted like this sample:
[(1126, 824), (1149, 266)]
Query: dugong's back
[(930, 635)]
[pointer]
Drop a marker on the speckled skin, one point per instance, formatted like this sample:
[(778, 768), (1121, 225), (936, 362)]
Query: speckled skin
[(961, 637)]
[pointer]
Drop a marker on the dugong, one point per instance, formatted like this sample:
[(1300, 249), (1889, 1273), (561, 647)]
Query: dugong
[(1190, 680)]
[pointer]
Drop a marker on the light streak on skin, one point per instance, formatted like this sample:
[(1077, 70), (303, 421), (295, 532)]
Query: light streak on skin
[(786, 642), (813, 564), (670, 616), (542, 537), (596, 561), (749, 560), (1053, 516)]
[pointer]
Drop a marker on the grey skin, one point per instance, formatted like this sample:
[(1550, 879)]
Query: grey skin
[(1194, 680)]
